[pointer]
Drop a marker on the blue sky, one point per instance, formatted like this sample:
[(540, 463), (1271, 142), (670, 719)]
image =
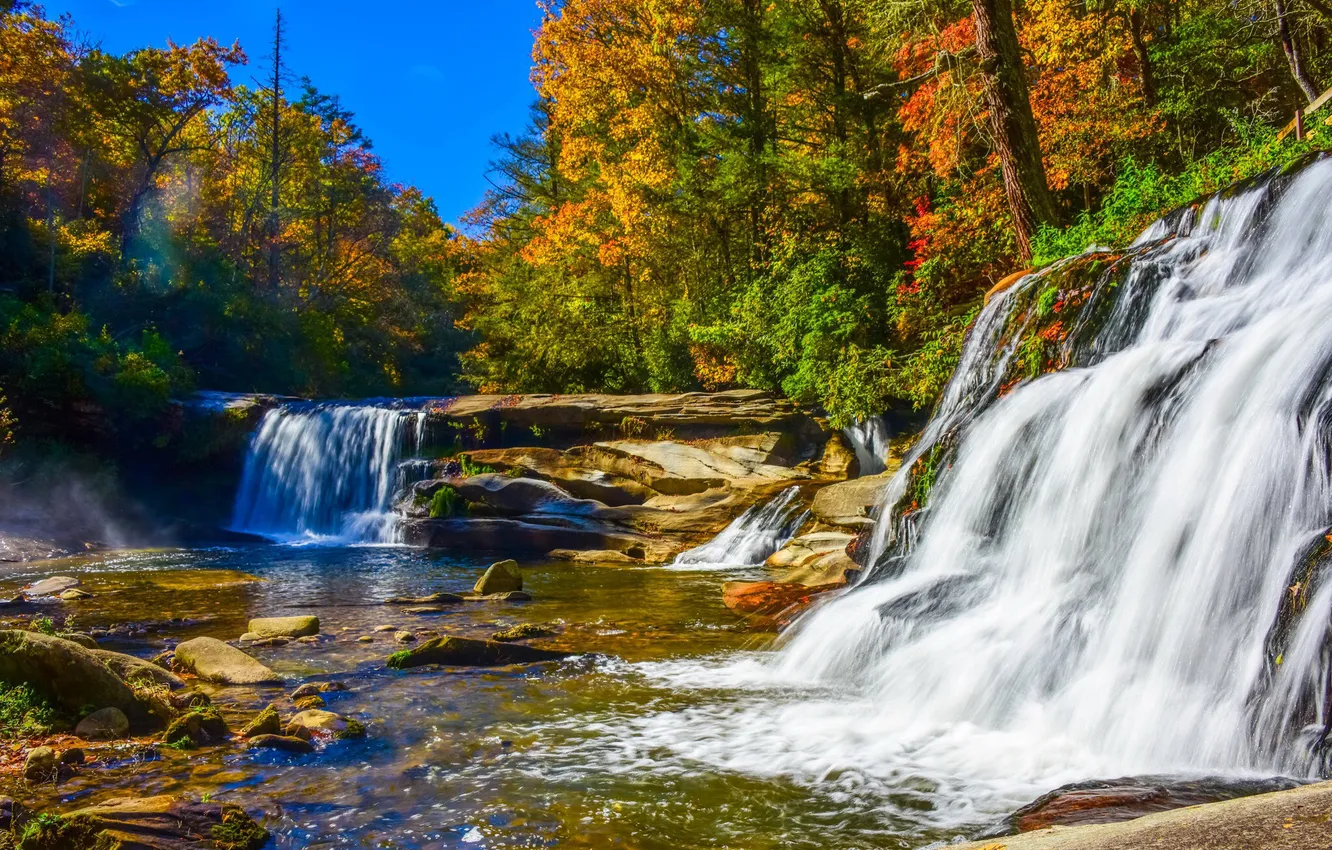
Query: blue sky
[(430, 82)]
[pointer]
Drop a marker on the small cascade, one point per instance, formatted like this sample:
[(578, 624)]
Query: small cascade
[(752, 536), (869, 439), (328, 472)]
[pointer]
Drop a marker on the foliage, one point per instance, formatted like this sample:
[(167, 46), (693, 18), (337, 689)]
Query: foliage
[(24, 713), (446, 503)]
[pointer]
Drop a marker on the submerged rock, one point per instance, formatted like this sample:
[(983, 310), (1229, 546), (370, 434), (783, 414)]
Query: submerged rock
[(525, 631), (53, 586), (319, 722), (501, 577), (140, 823), (313, 688), (214, 661), (432, 599), (103, 724), (74, 595), (286, 743), (779, 601), (467, 652), (284, 627)]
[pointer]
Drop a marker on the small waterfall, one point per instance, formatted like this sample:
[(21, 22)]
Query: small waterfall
[(752, 536), (1110, 575), (870, 441), (327, 471)]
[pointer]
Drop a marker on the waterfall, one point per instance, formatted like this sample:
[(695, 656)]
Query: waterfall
[(327, 471), (752, 536), (870, 441), (1111, 574)]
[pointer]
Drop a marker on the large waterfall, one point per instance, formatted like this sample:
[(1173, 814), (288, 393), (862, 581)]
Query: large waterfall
[(1110, 565), (326, 471)]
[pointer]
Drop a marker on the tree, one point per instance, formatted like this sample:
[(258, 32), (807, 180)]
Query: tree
[(1012, 125)]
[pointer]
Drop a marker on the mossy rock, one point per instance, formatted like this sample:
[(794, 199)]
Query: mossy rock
[(162, 823), (267, 723), (70, 675), (199, 727), (467, 652), (524, 631)]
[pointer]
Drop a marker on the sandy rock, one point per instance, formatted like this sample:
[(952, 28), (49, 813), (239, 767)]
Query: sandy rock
[(467, 652), (501, 577), (365, 639), (814, 559), (385, 628), (849, 503), (103, 724), (214, 661), (839, 459), (288, 627), (53, 586)]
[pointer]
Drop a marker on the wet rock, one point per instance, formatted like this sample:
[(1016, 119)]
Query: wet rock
[(467, 652), (404, 637), (12, 815), (214, 661), (137, 671), (596, 556), (501, 577), (287, 627), (525, 631), (74, 595), (780, 601), (385, 628), (270, 641), (320, 722), (425, 609), (839, 459), (103, 724), (200, 727), (508, 496), (306, 703), (140, 823), (267, 723), (186, 701), (72, 676), (72, 757), (432, 599), (365, 639), (849, 503), (313, 688), (53, 586), (14, 601), (40, 765), (85, 641), (509, 596), (286, 743), (814, 559)]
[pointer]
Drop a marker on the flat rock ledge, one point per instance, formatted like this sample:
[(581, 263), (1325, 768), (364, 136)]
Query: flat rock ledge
[(1299, 819)]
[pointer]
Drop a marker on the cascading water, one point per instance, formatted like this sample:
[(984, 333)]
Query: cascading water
[(1110, 575), (751, 537), (326, 471), (869, 439)]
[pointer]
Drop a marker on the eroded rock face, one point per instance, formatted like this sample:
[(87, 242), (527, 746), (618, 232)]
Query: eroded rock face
[(848, 504), (214, 661), (814, 559)]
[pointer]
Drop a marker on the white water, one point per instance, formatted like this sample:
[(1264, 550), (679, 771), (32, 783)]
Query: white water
[(1090, 589), (326, 472), (751, 537), (870, 441)]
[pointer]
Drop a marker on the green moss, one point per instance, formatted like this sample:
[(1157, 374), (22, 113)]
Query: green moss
[(447, 503), (24, 713), (52, 832), (399, 659), (355, 729), (238, 831)]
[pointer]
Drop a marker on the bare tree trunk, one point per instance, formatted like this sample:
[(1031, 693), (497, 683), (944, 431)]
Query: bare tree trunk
[(1014, 127), (275, 161), (1136, 27), (1294, 56)]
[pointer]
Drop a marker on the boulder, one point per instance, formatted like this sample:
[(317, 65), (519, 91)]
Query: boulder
[(679, 469), (41, 765), (103, 724), (74, 595), (467, 652), (266, 723), (286, 743), (73, 677), (839, 459), (522, 496), (288, 627), (404, 636), (137, 671), (779, 601), (85, 641), (53, 586), (312, 688), (317, 721), (214, 661), (814, 559), (141, 823), (849, 503), (200, 727), (566, 471), (501, 577), (306, 703)]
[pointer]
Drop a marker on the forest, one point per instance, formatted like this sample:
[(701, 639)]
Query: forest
[(805, 196)]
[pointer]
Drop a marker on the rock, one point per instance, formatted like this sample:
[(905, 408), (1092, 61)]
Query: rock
[(385, 628), (14, 601), (214, 661), (266, 723), (286, 627), (306, 703), (136, 671), (320, 722), (839, 459), (85, 641), (596, 556), (1283, 820), (432, 599), (144, 823), (525, 631), (849, 503), (814, 559), (365, 639), (52, 586), (534, 535), (199, 727), (776, 600), (286, 743), (425, 609), (678, 469), (467, 652), (404, 637), (510, 596), (72, 676), (501, 577), (566, 471), (12, 815), (73, 757), (509, 496), (103, 724), (313, 688), (186, 701), (40, 765), (272, 641), (74, 595)]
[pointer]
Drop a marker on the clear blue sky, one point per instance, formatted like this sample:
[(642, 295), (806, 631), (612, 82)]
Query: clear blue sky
[(430, 82)]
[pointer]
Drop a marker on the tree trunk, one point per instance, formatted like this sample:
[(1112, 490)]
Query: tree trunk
[(1294, 56), (1011, 121), (1136, 28), (275, 161)]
